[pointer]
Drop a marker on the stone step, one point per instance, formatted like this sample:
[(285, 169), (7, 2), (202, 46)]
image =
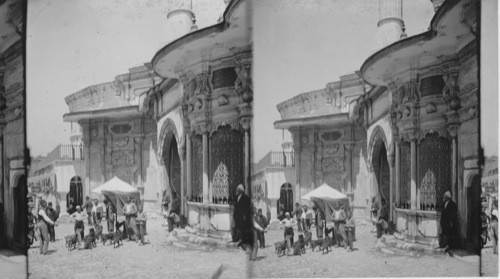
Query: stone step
[(184, 238)]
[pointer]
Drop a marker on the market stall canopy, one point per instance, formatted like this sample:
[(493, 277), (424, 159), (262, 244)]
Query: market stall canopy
[(324, 191), (118, 198), (115, 184), (325, 197)]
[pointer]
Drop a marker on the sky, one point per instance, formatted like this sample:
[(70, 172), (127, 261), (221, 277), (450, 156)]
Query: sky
[(299, 46), (72, 44)]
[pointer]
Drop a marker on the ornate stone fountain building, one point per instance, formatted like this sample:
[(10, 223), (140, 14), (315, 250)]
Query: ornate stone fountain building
[(203, 111), (411, 127)]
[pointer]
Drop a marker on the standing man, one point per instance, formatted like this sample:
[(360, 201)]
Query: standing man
[(448, 223), (52, 214), (88, 207), (288, 223), (494, 227), (319, 221), (298, 216), (257, 231), (110, 216), (243, 218), (79, 216), (262, 222), (141, 224), (43, 223), (339, 218), (130, 212)]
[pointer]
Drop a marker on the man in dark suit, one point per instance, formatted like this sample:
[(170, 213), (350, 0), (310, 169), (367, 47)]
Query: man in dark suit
[(448, 223), (52, 214), (243, 218)]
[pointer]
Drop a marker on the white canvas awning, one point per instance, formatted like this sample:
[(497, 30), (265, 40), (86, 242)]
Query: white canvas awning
[(113, 185), (324, 191)]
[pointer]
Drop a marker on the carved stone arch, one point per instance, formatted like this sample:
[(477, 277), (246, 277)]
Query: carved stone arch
[(377, 135), (167, 133)]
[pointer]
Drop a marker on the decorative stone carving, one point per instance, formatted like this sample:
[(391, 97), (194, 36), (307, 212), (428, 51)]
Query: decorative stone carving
[(453, 130), (305, 139), (94, 133), (410, 92), (244, 79), (122, 158), (332, 148), (406, 112), (222, 100), (121, 142), (430, 108), (202, 87), (245, 123)]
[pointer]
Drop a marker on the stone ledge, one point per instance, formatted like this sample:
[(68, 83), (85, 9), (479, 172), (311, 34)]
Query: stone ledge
[(398, 241), (182, 238)]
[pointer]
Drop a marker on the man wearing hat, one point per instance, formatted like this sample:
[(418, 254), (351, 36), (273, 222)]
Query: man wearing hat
[(448, 222), (243, 219), (51, 212), (43, 223)]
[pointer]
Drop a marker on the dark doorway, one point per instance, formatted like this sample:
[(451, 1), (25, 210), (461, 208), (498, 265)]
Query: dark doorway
[(473, 213), (173, 166), (382, 172), (75, 191), (20, 209), (285, 201)]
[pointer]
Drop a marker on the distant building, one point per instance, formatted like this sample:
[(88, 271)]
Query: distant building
[(57, 177), (272, 180)]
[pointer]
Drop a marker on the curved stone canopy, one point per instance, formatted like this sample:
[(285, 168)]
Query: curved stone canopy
[(451, 29), (12, 22), (213, 42)]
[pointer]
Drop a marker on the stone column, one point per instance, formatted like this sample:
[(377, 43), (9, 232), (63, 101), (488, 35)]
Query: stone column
[(397, 183), (245, 124), (205, 166), (189, 190), (390, 158), (182, 156), (453, 131), (413, 184)]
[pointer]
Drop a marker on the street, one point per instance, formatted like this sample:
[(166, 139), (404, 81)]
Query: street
[(162, 259)]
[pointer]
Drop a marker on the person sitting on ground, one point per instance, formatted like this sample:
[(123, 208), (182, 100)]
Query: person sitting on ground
[(174, 210), (288, 223), (383, 218), (349, 227), (141, 223)]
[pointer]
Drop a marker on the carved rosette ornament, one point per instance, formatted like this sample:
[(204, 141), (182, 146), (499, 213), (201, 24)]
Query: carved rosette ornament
[(453, 130)]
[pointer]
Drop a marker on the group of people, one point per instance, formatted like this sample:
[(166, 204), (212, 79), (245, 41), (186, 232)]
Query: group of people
[(171, 210), (45, 217), (343, 230)]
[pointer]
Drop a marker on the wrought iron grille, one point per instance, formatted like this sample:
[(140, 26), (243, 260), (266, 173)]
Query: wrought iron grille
[(227, 148), (434, 171), (197, 165), (405, 174)]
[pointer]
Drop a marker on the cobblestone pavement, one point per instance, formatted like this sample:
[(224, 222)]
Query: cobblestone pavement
[(154, 260), (366, 261), (12, 266), (489, 261), (160, 260)]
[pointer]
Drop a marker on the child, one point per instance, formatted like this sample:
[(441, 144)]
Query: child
[(349, 227)]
